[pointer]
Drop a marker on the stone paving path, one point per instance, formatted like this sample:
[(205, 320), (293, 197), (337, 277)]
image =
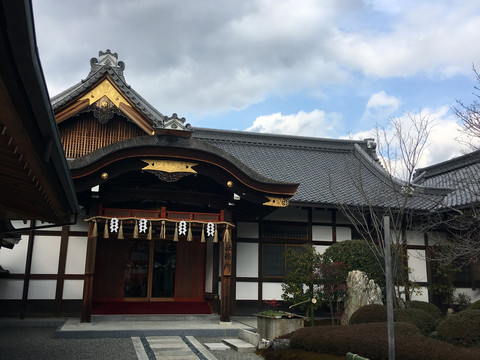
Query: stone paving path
[(170, 348)]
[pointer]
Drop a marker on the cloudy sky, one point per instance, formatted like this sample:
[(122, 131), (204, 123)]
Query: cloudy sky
[(323, 68)]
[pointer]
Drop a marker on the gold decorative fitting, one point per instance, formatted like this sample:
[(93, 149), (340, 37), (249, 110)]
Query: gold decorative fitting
[(230, 183), (104, 176), (105, 88), (276, 201), (170, 166)]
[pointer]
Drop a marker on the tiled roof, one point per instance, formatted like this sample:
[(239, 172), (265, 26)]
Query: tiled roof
[(330, 171), (115, 71), (460, 175)]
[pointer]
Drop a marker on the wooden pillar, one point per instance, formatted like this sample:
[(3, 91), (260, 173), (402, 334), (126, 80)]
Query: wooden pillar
[(62, 263), (226, 277), (89, 276), (28, 268)]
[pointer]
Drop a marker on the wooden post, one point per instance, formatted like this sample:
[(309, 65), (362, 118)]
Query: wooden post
[(389, 289), (89, 276), (226, 277)]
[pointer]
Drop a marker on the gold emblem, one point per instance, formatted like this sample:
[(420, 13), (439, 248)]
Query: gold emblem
[(170, 166), (105, 88), (276, 201)]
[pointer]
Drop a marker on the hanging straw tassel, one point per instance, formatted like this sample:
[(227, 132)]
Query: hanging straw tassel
[(162, 231), (95, 229), (215, 236), (105, 230), (120, 231), (189, 234), (175, 235), (149, 235), (226, 235), (203, 234), (135, 230)]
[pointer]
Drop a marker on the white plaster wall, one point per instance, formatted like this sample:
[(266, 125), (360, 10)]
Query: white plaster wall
[(42, 289), (289, 214), (344, 233), (14, 259), (272, 291), (46, 250), (320, 248), (247, 259), (323, 233), (474, 294), (417, 265), (76, 255), (248, 230), (324, 216), (247, 291), (421, 295), (415, 238), (81, 225), (72, 290), (11, 289)]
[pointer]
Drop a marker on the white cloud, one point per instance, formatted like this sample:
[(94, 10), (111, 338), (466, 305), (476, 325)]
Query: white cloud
[(211, 57), (443, 140), (316, 123), (381, 99), (380, 106)]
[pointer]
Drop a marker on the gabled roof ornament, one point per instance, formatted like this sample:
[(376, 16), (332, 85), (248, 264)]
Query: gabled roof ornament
[(109, 59), (173, 125)]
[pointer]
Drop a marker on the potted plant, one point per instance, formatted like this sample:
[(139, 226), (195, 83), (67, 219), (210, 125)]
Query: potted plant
[(274, 323)]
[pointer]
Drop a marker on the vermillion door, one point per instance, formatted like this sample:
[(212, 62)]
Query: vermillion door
[(190, 271)]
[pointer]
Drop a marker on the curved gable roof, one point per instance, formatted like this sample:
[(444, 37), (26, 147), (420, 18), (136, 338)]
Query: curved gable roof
[(114, 71)]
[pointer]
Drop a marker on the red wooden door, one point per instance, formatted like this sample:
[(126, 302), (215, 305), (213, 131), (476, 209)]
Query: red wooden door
[(190, 271)]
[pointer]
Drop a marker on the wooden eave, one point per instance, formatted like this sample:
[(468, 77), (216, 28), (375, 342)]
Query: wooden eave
[(211, 165), (95, 93), (34, 180)]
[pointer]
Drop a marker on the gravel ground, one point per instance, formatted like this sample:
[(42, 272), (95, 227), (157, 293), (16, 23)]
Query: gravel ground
[(37, 343), (229, 354)]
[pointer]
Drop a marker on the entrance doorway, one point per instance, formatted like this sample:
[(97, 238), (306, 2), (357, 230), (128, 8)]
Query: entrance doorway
[(149, 276)]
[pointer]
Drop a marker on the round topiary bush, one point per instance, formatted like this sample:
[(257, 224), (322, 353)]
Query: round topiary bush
[(461, 329), (424, 321), (474, 306), (373, 313), (425, 306), (357, 255)]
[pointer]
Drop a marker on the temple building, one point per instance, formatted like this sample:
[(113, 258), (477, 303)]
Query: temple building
[(179, 219)]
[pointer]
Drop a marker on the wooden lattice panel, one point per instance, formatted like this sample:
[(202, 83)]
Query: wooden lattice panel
[(83, 135)]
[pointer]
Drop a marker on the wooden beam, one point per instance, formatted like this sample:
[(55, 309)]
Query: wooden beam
[(69, 111), (89, 276)]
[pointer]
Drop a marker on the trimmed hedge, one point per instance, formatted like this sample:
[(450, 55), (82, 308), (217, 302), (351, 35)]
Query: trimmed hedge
[(474, 306), (424, 321), (370, 340), (462, 328), (373, 313), (425, 306)]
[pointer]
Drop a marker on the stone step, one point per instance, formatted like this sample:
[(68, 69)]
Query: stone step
[(239, 345)]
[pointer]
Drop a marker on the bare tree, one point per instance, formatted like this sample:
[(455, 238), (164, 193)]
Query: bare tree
[(469, 115), (400, 149)]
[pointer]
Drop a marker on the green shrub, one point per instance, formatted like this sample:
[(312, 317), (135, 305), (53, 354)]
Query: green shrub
[(474, 306), (424, 321), (425, 306), (370, 341), (357, 255), (462, 328), (373, 313)]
